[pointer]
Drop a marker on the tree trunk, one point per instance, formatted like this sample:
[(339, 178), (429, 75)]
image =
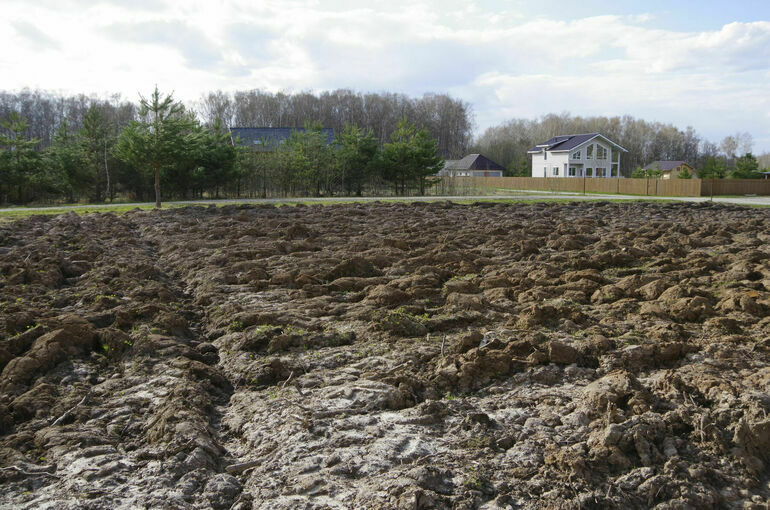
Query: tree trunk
[(157, 185), (107, 171)]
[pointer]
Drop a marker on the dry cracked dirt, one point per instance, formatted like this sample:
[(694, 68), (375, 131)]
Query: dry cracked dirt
[(582, 355)]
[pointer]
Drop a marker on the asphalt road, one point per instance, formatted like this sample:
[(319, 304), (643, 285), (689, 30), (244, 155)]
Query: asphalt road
[(520, 195)]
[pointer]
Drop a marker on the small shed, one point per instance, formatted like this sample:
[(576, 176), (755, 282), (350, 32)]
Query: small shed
[(472, 165), (671, 169)]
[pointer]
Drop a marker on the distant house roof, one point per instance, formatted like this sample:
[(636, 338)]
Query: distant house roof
[(269, 138), (564, 143), (472, 162), (665, 165)]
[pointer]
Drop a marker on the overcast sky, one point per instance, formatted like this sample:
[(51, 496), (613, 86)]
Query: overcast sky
[(704, 64)]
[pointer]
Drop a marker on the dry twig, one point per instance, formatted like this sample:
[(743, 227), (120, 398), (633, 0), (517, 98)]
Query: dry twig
[(283, 385), (69, 411), (28, 473), (242, 466)]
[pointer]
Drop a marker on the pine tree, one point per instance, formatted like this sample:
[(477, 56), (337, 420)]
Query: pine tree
[(164, 137), (355, 157), (712, 169), (410, 156), (19, 159), (66, 159), (746, 167), (312, 158), (96, 140)]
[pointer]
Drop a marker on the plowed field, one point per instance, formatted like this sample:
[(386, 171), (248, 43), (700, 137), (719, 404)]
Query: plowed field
[(586, 355)]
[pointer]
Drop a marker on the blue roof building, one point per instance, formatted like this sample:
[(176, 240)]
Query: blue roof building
[(268, 139)]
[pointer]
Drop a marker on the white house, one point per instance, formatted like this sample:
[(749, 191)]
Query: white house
[(586, 155)]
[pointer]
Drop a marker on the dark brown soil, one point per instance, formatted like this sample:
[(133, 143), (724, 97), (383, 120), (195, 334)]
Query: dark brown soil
[(586, 355)]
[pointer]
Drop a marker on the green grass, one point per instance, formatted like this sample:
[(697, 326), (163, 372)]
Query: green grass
[(23, 212)]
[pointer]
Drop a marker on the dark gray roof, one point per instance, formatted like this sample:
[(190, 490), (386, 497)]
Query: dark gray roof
[(664, 165), (269, 138), (563, 143), (473, 162)]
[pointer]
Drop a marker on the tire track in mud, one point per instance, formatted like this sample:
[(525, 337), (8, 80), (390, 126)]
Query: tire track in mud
[(202, 428), (115, 353)]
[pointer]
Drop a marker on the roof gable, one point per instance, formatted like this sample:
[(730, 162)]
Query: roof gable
[(665, 165), (564, 143), (473, 162)]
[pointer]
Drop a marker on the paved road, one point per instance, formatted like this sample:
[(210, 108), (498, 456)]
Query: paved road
[(519, 195)]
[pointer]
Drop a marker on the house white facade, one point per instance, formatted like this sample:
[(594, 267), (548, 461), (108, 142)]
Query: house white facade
[(589, 155)]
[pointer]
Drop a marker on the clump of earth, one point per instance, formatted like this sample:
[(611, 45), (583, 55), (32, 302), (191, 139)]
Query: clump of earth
[(387, 355)]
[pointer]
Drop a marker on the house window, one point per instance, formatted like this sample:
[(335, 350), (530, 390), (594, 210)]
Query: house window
[(589, 172), (576, 155), (601, 152), (572, 171), (555, 170), (601, 172), (615, 169), (616, 157), (590, 152)]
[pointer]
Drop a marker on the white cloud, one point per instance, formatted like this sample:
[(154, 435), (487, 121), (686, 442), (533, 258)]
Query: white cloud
[(507, 63), (33, 36)]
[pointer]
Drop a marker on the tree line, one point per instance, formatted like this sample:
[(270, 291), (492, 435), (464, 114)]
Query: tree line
[(163, 145), (74, 148), (448, 120), (645, 141)]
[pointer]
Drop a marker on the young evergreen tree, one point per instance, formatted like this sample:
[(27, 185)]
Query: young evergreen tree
[(97, 141), (397, 157), (356, 154), (746, 167), (214, 158), (19, 158), (410, 156), (712, 169), (255, 168), (67, 159), (164, 137), (312, 159), (427, 162)]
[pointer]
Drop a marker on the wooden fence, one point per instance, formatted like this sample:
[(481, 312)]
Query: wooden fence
[(735, 187), (649, 187)]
